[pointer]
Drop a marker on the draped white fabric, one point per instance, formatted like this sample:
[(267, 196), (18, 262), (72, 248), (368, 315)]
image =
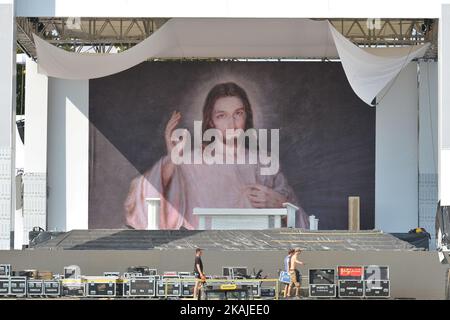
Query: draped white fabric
[(202, 38), (58, 63), (368, 70)]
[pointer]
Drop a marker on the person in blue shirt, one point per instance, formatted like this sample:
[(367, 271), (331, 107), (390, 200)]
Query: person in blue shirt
[(287, 262)]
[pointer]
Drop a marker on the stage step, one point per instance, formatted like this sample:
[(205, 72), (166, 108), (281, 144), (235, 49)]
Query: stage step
[(271, 239)]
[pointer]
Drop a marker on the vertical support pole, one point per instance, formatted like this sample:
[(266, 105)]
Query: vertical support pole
[(277, 287), (166, 283), (68, 154), (444, 106), (353, 213), (35, 176), (7, 122)]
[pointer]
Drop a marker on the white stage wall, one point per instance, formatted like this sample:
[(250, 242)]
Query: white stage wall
[(444, 106), (397, 154), (36, 126), (7, 121), (35, 168), (428, 146), (68, 154)]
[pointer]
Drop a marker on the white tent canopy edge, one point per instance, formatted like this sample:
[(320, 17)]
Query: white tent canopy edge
[(367, 72)]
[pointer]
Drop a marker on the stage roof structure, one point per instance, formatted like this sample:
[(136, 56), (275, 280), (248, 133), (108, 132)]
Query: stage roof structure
[(102, 35), (368, 69)]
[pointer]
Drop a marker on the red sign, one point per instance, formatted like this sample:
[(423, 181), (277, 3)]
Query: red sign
[(345, 272)]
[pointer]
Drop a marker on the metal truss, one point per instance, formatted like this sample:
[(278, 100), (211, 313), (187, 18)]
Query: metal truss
[(390, 32), (97, 34), (117, 34)]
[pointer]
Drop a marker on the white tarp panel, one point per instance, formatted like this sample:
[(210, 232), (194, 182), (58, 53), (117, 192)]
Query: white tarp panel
[(201, 38), (368, 70)]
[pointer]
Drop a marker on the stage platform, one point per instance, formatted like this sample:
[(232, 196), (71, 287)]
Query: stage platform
[(414, 273), (228, 240)]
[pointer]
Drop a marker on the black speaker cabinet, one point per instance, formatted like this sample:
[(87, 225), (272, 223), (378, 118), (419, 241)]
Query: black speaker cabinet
[(5, 270), (322, 283), (18, 286), (143, 286), (52, 288), (35, 287), (4, 286), (351, 288), (100, 289), (377, 289), (173, 287)]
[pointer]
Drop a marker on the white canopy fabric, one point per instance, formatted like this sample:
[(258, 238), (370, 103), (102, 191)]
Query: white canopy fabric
[(368, 70), (200, 38)]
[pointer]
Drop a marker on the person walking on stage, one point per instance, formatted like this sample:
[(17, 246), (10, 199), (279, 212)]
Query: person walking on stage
[(294, 273), (287, 262), (198, 272)]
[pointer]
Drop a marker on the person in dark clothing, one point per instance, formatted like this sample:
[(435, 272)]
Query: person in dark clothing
[(198, 272)]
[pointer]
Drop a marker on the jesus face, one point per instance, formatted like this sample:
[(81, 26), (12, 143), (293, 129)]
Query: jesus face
[(228, 113)]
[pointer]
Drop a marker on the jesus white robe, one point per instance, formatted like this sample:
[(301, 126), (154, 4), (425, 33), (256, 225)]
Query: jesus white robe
[(201, 186)]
